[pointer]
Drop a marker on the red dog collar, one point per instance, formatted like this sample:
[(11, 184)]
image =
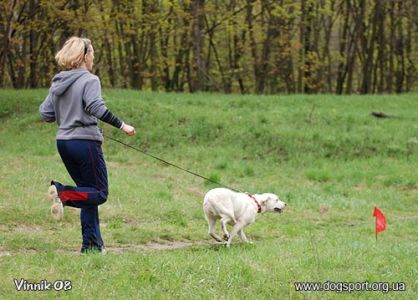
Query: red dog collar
[(256, 202)]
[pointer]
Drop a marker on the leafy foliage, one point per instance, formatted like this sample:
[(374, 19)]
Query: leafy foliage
[(244, 46)]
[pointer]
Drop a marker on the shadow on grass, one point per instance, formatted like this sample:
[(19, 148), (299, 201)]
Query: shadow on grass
[(222, 247)]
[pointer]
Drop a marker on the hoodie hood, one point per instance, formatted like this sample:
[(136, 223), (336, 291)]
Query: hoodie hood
[(63, 80)]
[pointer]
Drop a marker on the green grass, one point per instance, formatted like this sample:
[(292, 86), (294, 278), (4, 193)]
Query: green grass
[(324, 155)]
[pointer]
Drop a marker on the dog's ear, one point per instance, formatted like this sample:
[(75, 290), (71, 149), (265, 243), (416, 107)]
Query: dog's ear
[(262, 198)]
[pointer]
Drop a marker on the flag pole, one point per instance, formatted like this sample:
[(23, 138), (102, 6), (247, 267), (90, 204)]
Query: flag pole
[(375, 229), (380, 220)]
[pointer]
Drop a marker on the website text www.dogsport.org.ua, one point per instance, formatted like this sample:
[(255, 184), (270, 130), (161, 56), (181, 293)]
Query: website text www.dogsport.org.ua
[(340, 287)]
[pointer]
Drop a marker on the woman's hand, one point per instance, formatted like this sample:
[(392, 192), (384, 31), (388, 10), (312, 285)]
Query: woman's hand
[(128, 129)]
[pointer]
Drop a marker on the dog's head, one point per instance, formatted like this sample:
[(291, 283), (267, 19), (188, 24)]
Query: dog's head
[(270, 202)]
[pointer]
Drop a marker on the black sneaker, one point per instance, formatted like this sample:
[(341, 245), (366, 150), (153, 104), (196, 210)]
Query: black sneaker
[(92, 250)]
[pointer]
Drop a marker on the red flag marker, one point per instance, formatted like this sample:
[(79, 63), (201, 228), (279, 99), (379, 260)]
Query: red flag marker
[(380, 220)]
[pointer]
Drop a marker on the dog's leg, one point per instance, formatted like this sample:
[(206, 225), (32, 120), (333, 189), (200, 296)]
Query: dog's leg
[(211, 223), (243, 236), (237, 227), (225, 221)]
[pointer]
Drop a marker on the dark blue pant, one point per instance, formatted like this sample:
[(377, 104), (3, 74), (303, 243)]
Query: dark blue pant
[(85, 163)]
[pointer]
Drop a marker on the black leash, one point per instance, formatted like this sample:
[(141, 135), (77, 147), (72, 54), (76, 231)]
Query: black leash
[(170, 164)]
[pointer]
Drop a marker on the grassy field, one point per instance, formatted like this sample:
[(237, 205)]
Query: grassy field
[(324, 155)]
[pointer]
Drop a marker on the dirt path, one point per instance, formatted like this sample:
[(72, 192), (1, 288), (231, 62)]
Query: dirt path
[(153, 246)]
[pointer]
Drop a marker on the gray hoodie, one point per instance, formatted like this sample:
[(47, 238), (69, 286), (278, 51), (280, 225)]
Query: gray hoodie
[(75, 103)]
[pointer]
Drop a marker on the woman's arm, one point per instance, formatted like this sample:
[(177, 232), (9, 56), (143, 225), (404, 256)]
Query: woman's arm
[(46, 109), (95, 106)]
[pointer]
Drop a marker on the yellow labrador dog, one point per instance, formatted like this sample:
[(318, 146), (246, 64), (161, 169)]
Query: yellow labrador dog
[(238, 209)]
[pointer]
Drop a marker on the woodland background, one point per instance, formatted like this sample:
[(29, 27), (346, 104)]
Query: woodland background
[(228, 46)]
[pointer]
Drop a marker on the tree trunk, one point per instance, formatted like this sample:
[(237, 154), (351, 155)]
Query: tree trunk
[(198, 29), (369, 48), (399, 51), (271, 36), (342, 67), (380, 78), (307, 12), (153, 11), (253, 44)]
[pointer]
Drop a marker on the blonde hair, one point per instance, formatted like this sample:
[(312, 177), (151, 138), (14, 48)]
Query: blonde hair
[(72, 54)]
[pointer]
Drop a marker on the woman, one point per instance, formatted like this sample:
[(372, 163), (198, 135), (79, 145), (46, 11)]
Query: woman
[(75, 103)]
